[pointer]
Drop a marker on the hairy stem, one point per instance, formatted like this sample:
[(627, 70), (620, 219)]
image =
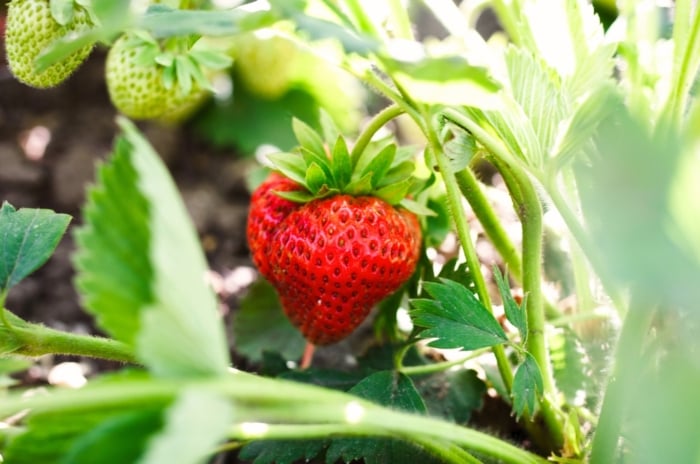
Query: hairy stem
[(37, 340), (376, 123), (455, 201), (469, 186), (529, 209), (258, 400)]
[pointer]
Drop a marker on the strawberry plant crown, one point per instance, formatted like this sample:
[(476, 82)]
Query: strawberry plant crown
[(381, 170)]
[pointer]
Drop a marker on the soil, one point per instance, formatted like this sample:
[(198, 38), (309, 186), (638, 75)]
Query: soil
[(50, 143)]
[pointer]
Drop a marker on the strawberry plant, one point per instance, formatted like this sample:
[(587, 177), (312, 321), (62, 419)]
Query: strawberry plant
[(476, 344)]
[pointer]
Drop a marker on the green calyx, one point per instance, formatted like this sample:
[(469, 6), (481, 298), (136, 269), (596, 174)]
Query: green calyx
[(381, 170), (182, 60)]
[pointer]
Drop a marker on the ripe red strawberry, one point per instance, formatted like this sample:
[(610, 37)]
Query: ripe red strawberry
[(331, 240), (267, 210), (333, 259)]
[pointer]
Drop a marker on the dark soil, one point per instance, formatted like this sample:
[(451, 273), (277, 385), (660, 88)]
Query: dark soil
[(39, 172)]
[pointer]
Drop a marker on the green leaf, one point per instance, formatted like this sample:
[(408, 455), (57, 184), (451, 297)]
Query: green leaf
[(319, 29), (84, 435), (282, 451), (308, 138), (571, 365), (537, 89), (315, 178), (460, 148), (260, 325), (577, 131), (448, 80), (194, 425), (515, 314), (141, 269), (453, 395), (122, 438), (527, 386), (389, 389), (455, 318), (165, 22), (28, 238), (62, 11)]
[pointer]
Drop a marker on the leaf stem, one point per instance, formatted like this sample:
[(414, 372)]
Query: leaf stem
[(455, 201), (469, 186), (441, 366), (529, 210), (37, 340), (376, 123)]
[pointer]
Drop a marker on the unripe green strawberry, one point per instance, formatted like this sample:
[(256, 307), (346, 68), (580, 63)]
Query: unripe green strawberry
[(333, 259), (267, 211), (30, 29), (264, 60), (138, 90)]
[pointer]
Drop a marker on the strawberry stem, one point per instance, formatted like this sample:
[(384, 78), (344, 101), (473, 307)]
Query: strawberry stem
[(308, 356), (376, 123), (455, 201)]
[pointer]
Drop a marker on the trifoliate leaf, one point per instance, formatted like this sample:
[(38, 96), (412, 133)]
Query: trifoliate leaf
[(28, 237), (515, 314), (455, 318), (388, 389), (453, 395), (260, 325), (527, 386), (141, 269)]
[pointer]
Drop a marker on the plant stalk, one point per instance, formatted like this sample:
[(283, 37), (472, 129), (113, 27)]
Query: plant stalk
[(36, 340), (530, 212), (455, 201), (376, 123), (258, 399)]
